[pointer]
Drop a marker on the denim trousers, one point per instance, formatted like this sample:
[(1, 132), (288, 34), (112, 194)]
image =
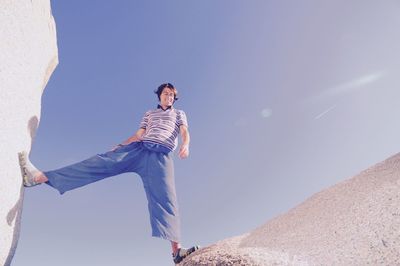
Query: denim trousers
[(152, 162)]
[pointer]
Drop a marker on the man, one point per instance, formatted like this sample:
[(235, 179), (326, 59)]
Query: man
[(148, 153)]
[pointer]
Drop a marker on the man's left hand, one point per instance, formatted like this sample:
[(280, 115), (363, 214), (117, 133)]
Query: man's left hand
[(184, 151)]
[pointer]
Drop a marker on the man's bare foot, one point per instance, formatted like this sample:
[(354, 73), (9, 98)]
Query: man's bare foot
[(39, 177)]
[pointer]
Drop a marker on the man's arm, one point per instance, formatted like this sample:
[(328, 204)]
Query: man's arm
[(136, 137), (184, 150)]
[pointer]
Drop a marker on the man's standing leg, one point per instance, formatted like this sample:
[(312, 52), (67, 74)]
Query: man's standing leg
[(159, 184)]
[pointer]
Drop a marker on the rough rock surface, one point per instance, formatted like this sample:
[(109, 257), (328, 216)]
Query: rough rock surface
[(28, 56), (355, 222)]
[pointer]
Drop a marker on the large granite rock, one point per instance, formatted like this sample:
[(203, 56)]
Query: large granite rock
[(28, 56), (356, 222)]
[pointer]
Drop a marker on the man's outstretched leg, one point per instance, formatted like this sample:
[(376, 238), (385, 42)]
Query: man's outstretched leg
[(81, 173)]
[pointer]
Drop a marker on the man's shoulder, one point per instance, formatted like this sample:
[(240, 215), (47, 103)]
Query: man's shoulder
[(179, 110), (149, 111), (180, 114)]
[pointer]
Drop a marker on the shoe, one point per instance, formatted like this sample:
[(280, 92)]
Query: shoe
[(27, 177), (183, 253)]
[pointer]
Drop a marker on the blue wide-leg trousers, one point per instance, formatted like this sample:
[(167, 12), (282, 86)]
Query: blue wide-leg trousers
[(152, 162)]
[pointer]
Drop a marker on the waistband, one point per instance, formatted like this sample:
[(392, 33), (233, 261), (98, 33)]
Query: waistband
[(157, 147)]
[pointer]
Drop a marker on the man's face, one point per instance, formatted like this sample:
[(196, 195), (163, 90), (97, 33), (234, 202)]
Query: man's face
[(167, 97)]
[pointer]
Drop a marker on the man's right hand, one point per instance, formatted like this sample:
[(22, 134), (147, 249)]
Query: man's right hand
[(116, 147), (137, 137)]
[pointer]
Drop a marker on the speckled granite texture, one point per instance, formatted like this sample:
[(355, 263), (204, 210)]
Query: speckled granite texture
[(355, 222)]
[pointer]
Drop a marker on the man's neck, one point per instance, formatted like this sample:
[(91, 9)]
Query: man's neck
[(164, 107)]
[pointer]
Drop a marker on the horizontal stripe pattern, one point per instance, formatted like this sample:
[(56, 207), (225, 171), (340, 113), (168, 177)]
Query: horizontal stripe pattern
[(162, 126)]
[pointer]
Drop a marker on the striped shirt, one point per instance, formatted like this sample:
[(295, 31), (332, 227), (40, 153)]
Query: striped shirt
[(162, 126)]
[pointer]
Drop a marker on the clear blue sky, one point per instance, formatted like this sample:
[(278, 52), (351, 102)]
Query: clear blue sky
[(284, 98)]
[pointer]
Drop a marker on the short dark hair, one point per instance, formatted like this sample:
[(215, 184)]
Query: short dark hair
[(166, 85)]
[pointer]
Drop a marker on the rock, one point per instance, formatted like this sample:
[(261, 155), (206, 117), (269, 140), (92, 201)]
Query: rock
[(28, 56), (355, 222)]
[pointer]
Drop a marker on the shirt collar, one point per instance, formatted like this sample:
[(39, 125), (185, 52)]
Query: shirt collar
[(169, 107)]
